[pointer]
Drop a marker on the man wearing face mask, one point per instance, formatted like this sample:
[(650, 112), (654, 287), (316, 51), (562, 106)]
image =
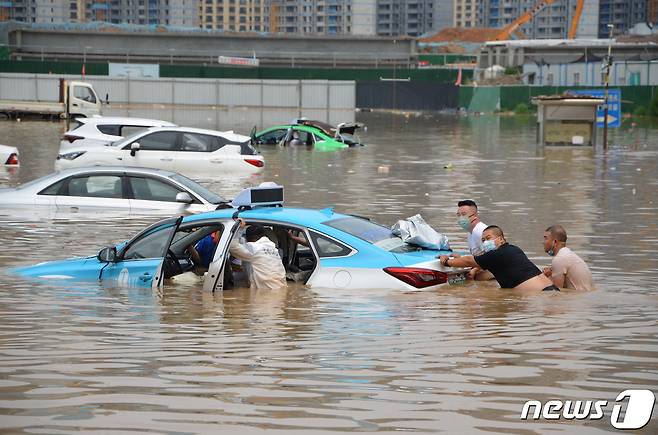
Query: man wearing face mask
[(468, 219), (567, 269), (508, 263)]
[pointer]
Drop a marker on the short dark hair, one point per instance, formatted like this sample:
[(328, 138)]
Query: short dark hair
[(468, 202), (254, 231), (558, 232), (496, 230)]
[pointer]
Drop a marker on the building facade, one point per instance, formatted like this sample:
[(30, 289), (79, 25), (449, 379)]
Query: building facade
[(412, 17), (553, 20), (466, 13), (623, 14), (234, 15)]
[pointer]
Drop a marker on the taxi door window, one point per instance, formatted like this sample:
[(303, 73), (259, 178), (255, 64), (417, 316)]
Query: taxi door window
[(327, 247), (151, 245)]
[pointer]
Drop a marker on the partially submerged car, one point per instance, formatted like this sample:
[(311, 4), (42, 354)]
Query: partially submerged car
[(102, 130), (343, 251), (180, 149), (9, 156), (135, 190), (311, 133)]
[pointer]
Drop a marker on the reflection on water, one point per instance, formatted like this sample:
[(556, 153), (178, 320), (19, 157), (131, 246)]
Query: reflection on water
[(93, 358)]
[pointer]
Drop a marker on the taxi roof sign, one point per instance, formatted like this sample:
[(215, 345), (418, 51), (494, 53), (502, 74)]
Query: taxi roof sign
[(266, 194)]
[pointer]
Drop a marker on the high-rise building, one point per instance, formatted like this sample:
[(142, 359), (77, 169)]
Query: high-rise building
[(553, 21), (652, 11), (319, 17), (623, 14), (35, 11), (160, 12), (465, 13), (234, 15), (412, 17)]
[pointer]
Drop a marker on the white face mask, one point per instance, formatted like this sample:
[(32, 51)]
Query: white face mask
[(488, 245)]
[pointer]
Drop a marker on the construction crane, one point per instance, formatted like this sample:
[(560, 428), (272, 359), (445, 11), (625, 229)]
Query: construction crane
[(576, 19), (511, 28)]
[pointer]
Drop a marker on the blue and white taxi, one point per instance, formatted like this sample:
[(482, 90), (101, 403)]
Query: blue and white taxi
[(319, 248)]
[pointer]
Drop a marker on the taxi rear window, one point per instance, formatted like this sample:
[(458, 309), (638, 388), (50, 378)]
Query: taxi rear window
[(361, 228)]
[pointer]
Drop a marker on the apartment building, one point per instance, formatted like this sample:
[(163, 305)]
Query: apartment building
[(553, 21), (412, 17), (465, 13), (234, 15), (623, 14)]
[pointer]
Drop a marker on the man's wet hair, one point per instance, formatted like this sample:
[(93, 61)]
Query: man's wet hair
[(468, 202), (558, 232), (254, 231), (496, 230)]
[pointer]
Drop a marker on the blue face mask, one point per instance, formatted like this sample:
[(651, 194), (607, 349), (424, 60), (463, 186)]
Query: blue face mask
[(488, 245), (464, 222), (551, 252)]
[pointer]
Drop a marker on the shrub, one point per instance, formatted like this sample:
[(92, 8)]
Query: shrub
[(521, 109), (640, 111), (512, 70)]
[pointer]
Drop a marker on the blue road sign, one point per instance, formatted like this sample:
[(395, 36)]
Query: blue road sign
[(614, 105)]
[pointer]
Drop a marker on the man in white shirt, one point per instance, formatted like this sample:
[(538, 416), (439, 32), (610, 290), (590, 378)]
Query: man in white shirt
[(468, 219), (567, 270), (260, 257)]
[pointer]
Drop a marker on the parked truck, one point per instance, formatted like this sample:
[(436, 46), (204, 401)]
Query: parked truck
[(76, 99)]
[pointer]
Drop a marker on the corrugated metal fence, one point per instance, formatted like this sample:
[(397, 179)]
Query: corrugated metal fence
[(311, 98)]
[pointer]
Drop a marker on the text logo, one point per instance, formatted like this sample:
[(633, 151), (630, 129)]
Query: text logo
[(637, 413)]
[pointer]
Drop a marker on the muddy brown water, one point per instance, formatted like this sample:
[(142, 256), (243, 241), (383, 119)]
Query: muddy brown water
[(98, 359)]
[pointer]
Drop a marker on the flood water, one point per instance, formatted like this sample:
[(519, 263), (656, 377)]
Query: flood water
[(95, 359)]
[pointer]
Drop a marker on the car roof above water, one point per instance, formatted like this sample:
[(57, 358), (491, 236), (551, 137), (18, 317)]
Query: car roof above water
[(100, 120)]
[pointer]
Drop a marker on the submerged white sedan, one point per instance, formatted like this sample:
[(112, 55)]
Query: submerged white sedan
[(180, 149), (132, 190)]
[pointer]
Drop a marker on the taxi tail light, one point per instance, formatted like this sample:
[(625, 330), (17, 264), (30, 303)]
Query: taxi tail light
[(418, 277), (71, 137), (256, 162), (12, 160)]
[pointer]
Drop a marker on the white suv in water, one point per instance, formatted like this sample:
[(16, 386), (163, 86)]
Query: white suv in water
[(192, 151), (102, 130)]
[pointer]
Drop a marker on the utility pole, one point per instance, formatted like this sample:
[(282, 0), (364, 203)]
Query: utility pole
[(606, 72)]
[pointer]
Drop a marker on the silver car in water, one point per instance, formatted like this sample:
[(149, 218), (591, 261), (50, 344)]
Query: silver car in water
[(132, 190)]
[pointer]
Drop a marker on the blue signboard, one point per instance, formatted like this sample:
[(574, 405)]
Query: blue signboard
[(614, 105)]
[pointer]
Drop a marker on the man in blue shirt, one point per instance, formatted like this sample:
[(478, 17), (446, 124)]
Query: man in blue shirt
[(203, 252)]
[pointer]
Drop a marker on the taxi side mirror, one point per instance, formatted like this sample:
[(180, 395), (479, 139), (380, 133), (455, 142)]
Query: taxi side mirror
[(107, 255), (134, 147)]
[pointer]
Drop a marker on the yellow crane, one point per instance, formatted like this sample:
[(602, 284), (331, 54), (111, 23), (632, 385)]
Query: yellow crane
[(576, 19), (508, 30), (512, 28)]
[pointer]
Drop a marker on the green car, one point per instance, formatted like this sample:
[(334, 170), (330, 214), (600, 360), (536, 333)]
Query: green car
[(310, 133)]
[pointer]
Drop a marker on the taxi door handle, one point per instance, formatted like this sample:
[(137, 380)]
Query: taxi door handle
[(216, 160), (166, 159)]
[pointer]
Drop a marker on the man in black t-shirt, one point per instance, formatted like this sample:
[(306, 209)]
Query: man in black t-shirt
[(508, 263)]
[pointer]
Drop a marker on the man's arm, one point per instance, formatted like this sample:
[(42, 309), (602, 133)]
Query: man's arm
[(558, 272), (194, 255), (465, 261)]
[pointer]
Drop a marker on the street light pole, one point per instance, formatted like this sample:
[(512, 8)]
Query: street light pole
[(608, 64)]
